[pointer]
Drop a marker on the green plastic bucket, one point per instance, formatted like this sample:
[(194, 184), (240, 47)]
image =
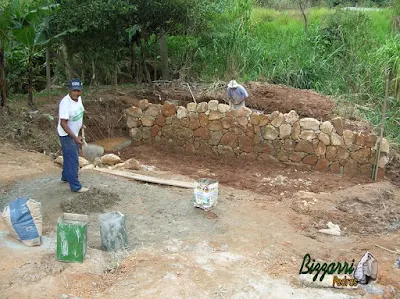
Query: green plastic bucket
[(72, 237)]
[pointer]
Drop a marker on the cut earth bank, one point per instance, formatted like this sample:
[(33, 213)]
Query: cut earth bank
[(250, 246)]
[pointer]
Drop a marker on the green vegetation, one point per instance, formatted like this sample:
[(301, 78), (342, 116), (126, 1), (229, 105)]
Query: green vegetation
[(342, 53)]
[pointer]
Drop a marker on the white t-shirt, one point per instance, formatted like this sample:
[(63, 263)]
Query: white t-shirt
[(73, 111)]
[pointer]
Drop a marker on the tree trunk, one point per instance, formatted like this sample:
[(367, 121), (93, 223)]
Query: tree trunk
[(396, 23), (116, 70), (133, 61), (48, 74), (93, 80), (3, 82), (303, 12), (68, 70), (164, 56), (30, 79)]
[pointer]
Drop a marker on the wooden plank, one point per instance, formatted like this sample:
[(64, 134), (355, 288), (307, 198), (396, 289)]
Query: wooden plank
[(145, 178)]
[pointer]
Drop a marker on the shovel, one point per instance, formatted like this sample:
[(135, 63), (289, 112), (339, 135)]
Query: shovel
[(91, 151)]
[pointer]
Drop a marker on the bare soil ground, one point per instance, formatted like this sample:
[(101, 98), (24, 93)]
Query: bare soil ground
[(251, 245)]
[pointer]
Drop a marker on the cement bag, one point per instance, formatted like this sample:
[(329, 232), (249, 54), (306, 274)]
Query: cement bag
[(23, 217)]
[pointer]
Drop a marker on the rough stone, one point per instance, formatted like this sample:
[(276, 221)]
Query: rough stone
[(214, 115), (366, 169), (238, 130), (309, 124), (360, 139), (296, 157), (325, 138), (348, 137), (246, 143), (250, 131), (310, 160), (351, 167), (285, 131), (223, 108), (160, 120), (270, 133), (203, 120), (255, 119), (213, 105), (232, 113), (370, 140), (153, 110), (242, 120), (383, 161), (244, 111), (215, 126), (215, 137), (134, 112), (361, 156), (194, 122), (337, 122), (189, 148), (182, 112), (288, 145), (342, 153), (277, 143), (264, 120), (331, 153), (326, 127), (132, 122), (143, 104), (110, 159), (155, 130), (185, 122), (336, 139), (282, 156), (168, 120), (168, 131), (291, 117), (191, 107), (268, 158), (227, 122), (202, 107), (296, 130), (202, 132), (335, 167), (322, 165), (320, 150), (135, 133), (304, 146), (308, 135), (385, 147), (146, 133), (277, 121), (225, 150), (229, 139), (147, 121)]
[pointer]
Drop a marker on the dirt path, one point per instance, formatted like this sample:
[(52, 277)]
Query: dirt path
[(250, 246)]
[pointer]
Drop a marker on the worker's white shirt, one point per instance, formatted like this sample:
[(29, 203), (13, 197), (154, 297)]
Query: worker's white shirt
[(73, 112)]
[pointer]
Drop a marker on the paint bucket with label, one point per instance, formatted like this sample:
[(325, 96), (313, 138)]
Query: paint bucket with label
[(72, 237), (205, 193)]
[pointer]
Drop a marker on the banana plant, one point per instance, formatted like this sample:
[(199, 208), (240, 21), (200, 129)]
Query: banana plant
[(6, 17), (31, 29)]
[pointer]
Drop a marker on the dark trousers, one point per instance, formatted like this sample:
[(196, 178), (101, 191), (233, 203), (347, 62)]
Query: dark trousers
[(70, 150)]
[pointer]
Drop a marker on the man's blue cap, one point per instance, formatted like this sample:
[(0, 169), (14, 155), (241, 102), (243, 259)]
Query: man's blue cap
[(75, 84)]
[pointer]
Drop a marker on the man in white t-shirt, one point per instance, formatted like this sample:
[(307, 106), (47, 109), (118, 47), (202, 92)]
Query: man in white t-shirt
[(70, 121)]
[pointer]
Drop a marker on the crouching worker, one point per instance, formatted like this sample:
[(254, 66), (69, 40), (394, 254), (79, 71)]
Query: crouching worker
[(237, 95)]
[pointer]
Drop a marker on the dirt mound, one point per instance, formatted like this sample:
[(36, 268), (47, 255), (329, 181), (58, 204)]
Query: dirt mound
[(371, 211), (262, 96), (93, 201), (393, 169)]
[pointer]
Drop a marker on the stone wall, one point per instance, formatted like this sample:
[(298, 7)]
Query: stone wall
[(213, 129)]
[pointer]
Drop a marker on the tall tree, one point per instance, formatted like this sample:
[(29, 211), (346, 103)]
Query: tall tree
[(303, 5)]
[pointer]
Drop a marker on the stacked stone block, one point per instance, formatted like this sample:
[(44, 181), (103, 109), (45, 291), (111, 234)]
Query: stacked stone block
[(212, 128)]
